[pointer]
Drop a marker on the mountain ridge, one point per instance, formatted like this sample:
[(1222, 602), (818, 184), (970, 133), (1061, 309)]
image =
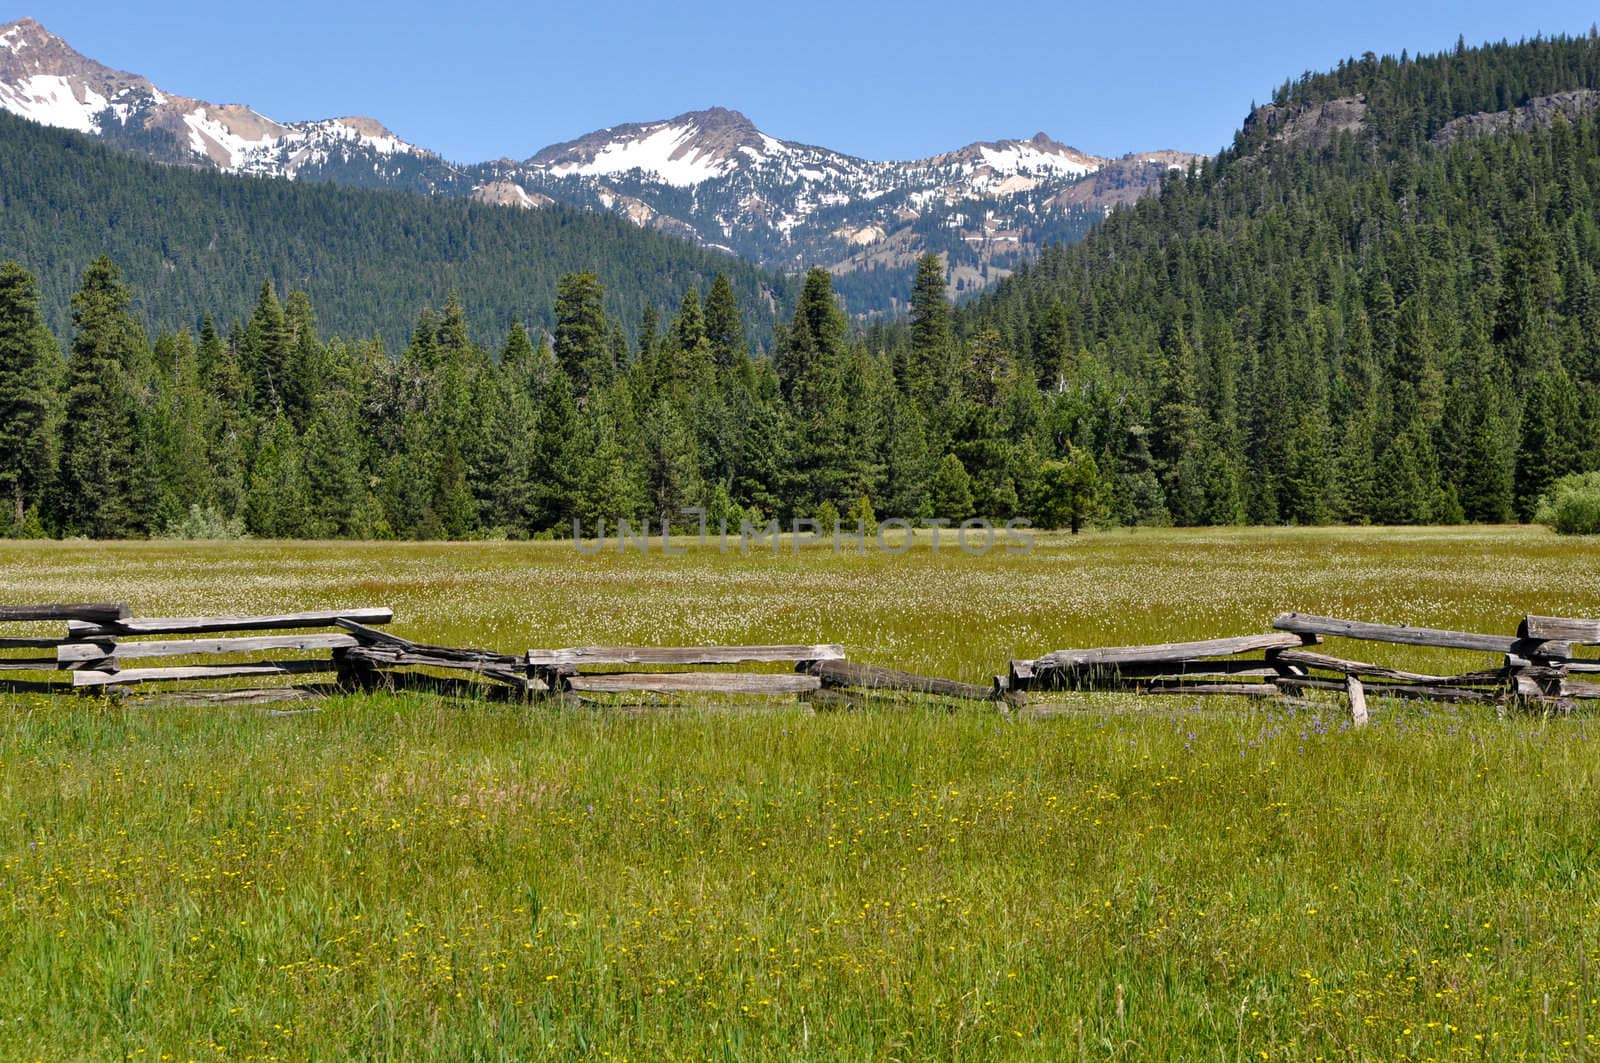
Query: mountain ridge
[(710, 175)]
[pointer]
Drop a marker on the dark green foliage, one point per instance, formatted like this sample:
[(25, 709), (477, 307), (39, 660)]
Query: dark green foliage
[(952, 490), (1373, 329), (191, 241), (1069, 492), (583, 338), (100, 488), (1573, 505), (30, 372), (1376, 328)]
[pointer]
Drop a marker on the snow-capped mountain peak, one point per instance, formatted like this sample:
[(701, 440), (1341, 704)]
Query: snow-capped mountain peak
[(43, 78), (708, 175), (682, 151)]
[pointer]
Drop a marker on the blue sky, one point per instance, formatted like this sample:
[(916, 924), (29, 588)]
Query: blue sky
[(882, 80)]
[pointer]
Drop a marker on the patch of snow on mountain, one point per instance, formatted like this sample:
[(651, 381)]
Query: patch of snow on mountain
[(50, 99), (1021, 158), (1026, 159), (12, 40), (232, 150), (652, 154)]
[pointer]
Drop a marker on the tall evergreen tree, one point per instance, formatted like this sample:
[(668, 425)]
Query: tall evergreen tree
[(30, 400), (583, 338), (98, 489), (724, 325)]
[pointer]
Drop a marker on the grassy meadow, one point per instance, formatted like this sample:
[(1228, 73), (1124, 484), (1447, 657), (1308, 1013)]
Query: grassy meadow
[(408, 877)]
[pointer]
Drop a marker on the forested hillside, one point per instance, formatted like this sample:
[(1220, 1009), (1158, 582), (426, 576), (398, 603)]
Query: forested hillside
[(193, 242), (1379, 305)]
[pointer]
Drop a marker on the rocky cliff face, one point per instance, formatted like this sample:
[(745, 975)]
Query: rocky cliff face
[(1536, 113)]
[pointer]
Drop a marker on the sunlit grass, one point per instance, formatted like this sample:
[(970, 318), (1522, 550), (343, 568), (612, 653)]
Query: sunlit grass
[(407, 877)]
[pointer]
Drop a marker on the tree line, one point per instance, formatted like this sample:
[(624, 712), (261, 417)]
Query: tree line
[(1376, 328), (264, 428)]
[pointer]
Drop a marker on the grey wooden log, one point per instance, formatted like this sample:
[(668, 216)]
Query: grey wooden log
[(89, 651), (1170, 652), (383, 639), (1528, 688), (872, 677), (708, 682), (1577, 688), (1415, 691), (395, 657), (1327, 663), (28, 664), (576, 656), (206, 671), (1153, 673), (36, 644), (1560, 629), (457, 686), (1358, 701), (1486, 677), (182, 625), (1571, 664), (1240, 690), (1250, 666), (88, 612), (1305, 624)]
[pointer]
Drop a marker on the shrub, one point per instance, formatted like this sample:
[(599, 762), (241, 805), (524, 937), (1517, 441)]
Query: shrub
[(1572, 506), (206, 522)]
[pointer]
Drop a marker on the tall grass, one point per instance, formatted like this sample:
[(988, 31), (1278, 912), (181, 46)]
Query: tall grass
[(405, 877)]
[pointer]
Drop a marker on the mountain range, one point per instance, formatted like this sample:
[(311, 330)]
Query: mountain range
[(710, 176)]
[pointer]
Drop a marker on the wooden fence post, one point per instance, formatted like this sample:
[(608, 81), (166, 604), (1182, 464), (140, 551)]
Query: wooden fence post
[(1358, 701)]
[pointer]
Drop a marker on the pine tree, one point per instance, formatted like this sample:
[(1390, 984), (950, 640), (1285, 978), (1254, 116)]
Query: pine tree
[(306, 368), (188, 472), (928, 356), (30, 398), (265, 351), (336, 489), (952, 490), (672, 466), (761, 457), (557, 457), (1070, 492), (815, 363), (1550, 430), (98, 490), (276, 506), (610, 487), (724, 326), (910, 469), (583, 336)]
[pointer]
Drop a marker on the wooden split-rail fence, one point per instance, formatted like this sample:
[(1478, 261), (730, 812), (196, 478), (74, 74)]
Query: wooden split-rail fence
[(106, 648), (1536, 666)]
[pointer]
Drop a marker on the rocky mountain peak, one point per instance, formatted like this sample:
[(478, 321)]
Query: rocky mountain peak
[(781, 203)]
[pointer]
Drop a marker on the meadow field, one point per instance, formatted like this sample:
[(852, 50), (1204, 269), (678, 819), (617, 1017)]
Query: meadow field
[(1093, 877)]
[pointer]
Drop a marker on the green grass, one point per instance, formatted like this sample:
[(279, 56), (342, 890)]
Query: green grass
[(405, 877)]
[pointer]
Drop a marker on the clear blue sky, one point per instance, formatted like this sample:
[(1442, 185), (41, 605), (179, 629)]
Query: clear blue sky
[(883, 80)]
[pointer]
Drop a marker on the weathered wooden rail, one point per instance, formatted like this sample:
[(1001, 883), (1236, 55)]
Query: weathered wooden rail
[(1535, 668), (106, 648)]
